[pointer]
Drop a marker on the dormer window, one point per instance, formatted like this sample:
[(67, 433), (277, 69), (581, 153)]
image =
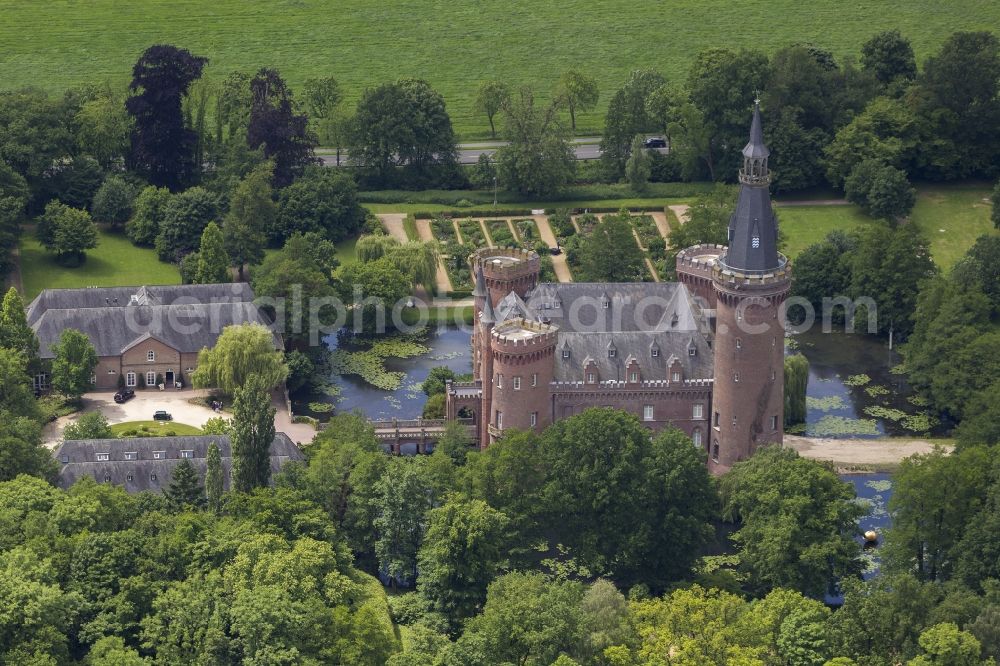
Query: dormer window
[(675, 376), (591, 378), (654, 352), (130, 455), (128, 477), (565, 353), (612, 352), (101, 457), (633, 377), (150, 356), (673, 320), (605, 303), (692, 351), (187, 454), (158, 455)]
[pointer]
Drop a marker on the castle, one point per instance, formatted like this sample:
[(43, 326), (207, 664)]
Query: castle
[(704, 354)]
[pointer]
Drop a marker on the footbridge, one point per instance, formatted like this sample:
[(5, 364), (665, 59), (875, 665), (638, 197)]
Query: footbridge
[(397, 435)]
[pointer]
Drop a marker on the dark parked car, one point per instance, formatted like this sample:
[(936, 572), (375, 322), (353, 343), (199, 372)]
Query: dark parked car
[(124, 395), (656, 142), (162, 416), (555, 250)]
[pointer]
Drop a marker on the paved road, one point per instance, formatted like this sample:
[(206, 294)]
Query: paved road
[(585, 148)]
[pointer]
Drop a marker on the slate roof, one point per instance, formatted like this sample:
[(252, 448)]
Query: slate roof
[(639, 316), (78, 459), (173, 315)]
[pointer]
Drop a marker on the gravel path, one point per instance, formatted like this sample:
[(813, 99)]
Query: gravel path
[(849, 452), (680, 211), (441, 279), (558, 261), (393, 223), (661, 224)]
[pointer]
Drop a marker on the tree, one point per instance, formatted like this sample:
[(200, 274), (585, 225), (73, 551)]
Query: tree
[(21, 449), (537, 158), (708, 221), (147, 215), (935, 496), (112, 651), (113, 202), (252, 214), (91, 425), (491, 97), (627, 117), (323, 201), (945, 645), (436, 378), (638, 166), (995, 202), (403, 124), (213, 262), (374, 288), (882, 191), (527, 619), (403, 497), (610, 254), (241, 352), (16, 396), (823, 270), (185, 491), (162, 146), (624, 505), (462, 551), (435, 407), (275, 126), (889, 56), (73, 363), (68, 232), (15, 333), (777, 497), (577, 92), (35, 136), (103, 128), (213, 478), (887, 131), (796, 381), (252, 434), (185, 217), (322, 96)]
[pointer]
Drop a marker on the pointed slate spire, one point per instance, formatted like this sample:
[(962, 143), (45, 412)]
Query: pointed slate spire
[(753, 228), (488, 316), (479, 291)]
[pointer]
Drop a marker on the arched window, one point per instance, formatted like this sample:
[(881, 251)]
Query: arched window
[(696, 437)]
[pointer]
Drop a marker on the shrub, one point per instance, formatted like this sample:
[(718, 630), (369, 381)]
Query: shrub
[(170, 433)]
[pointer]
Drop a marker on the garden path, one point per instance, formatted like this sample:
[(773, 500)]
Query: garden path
[(559, 264), (680, 211), (661, 224), (393, 223), (441, 279), (486, 233)]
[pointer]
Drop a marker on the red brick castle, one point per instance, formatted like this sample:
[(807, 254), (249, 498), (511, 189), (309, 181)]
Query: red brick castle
[(704, 354)]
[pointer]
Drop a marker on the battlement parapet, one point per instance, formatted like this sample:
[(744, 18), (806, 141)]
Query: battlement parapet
[(736, 278), (506, 262), (623, 385), (516, 335)]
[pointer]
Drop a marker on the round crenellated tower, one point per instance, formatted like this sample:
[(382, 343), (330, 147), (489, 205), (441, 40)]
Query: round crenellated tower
[(751, 280), (523, 363), (507, 269), (694, 268)]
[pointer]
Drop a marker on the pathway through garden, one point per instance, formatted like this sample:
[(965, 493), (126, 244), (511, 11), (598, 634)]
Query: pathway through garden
[(661, 224), (559, 264), (441, 279), (393, 223), (680, 211)]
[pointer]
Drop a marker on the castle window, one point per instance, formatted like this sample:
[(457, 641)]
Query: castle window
[(517, 383), (696, 437), (647, 412), (676, 376), (534, 419), (633, 376), (605, 303), (736, 377), (158, 455), (187, 454), (565, 353), (715, 451), (773, 341), (611, 353), (130, 379), (102, 456), (499, 381), (692, 351), (111, 371), (152, 477), (774, 423), (772, 375), (107, 478), (654, 352), (696, 412), (739, 343), (734, 420), (591, 377), (715, 421), (534, 379), (499, 419), (128, 477), (130, 455), (93, 379), (150, 356)]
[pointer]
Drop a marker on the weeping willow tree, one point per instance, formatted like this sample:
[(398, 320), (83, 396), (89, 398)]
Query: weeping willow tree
[(796, 380), (416, 260)]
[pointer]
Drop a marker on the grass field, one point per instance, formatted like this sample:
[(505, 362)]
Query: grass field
[(951, 217), (155, 428), (453, 45), (114, 262)]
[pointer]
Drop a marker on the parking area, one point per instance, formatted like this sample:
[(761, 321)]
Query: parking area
[(139, 408)]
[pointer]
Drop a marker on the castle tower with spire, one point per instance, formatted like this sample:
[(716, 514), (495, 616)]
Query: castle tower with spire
[(751, 280)]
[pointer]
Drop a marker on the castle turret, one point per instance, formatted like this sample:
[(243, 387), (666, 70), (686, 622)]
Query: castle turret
[(523, 363), (507, 270), (751, 280)]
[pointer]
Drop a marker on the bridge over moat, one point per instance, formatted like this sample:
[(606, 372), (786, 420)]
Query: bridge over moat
[(395, 434)]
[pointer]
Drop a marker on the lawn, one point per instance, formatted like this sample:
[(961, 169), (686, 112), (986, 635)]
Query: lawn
[(154, 428), (114, 262), (453, 45), (951, 217)]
